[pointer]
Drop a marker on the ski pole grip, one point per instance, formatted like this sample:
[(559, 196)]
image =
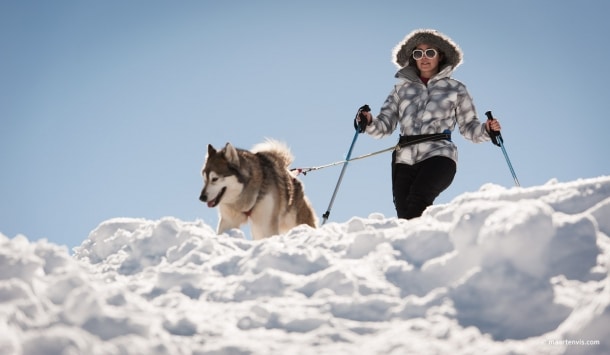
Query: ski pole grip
[(489, 115), (496, 138)]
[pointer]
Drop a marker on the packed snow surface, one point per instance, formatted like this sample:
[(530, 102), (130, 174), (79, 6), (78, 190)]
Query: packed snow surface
[(497, 271)]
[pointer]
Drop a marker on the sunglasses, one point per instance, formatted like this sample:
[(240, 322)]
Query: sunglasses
[(420, 53)]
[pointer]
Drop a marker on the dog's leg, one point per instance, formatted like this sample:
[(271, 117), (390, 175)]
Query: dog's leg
[(265, 218), (288, 220), (306, 214), (229, 219)]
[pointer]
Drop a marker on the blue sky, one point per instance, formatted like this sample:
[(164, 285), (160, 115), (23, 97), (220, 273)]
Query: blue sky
[(107, 107)]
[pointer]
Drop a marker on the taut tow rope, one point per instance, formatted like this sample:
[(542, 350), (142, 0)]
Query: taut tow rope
[(396, 147)]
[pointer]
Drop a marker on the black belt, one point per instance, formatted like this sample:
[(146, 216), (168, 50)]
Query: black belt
[(404, 141)]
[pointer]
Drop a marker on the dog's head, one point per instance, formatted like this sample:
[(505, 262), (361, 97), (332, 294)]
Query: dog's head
[(221, 176)]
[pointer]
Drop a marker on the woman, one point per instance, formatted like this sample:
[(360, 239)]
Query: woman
[(427, 104)]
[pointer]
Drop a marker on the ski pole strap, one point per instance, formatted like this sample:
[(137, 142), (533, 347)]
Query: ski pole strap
[(405, 141)]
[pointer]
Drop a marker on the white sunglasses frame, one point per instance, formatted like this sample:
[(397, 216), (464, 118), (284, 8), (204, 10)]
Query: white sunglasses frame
[(423, 53)]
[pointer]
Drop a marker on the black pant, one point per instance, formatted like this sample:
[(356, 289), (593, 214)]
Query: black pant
[(416, 186)]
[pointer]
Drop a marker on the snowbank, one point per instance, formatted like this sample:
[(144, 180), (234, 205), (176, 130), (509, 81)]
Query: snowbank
[(521, 270)]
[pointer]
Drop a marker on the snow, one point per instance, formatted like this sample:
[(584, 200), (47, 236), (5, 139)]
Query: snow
[(496, 271)]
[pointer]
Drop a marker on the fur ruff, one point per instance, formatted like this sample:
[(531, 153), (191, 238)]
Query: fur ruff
[(404, 49)]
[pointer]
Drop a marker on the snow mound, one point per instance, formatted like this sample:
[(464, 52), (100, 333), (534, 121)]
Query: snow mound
[(520, 270)]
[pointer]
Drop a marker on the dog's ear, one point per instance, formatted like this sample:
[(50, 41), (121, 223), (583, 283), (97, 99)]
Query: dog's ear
[(231, 154), (211, 150)]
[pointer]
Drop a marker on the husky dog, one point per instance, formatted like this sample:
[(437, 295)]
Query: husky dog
[(255, 185)]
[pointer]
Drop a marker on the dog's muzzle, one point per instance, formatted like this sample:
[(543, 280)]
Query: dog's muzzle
[(211, 203)]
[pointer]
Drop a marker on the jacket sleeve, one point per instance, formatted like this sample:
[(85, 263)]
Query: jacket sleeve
[(386, 122), (466, 115)]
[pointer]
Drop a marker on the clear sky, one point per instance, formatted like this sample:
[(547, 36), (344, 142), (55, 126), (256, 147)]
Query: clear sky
[(107, 107)]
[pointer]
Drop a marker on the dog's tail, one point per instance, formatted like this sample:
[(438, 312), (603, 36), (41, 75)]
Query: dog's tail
[(277, 148)]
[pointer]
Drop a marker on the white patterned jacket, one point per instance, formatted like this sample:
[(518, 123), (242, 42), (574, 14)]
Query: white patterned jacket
[(421, 109)]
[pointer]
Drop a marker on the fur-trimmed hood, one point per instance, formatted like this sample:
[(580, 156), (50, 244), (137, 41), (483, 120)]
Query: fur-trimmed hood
[(403, 50)]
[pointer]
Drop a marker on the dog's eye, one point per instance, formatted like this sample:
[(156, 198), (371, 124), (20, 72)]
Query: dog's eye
[(214, 179)]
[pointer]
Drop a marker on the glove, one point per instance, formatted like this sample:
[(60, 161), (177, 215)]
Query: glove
[(360, 121)]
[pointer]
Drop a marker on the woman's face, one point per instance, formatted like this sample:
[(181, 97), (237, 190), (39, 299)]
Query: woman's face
[(427, 66)]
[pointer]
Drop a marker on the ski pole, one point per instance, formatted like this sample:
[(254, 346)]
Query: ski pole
[(359, 129), (496, 138)]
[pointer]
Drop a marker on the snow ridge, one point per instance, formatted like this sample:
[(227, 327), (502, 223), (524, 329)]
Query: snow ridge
[(498, 271)]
